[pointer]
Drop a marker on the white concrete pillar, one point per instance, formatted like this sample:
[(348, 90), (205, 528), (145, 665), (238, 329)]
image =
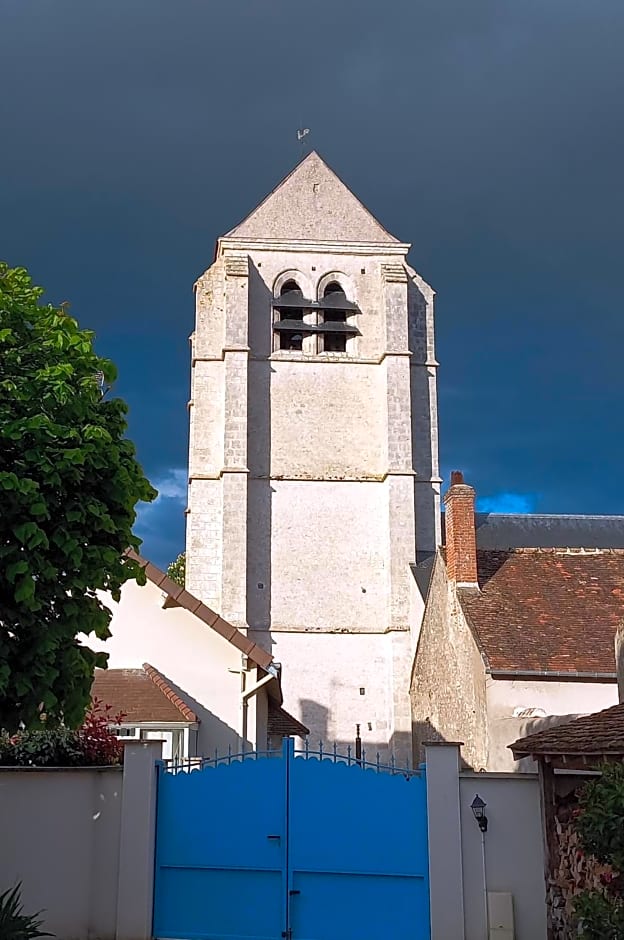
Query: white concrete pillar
[(619, 661), (446, 891), (137, 840)]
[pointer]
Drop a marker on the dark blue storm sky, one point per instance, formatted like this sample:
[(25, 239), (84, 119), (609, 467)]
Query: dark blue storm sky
[(489, 134)]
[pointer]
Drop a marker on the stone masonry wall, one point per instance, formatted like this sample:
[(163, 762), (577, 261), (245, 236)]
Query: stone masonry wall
[(448, 680), (571, 871)]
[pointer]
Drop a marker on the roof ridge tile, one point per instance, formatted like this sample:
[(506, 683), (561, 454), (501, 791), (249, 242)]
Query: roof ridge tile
[(161, 683)]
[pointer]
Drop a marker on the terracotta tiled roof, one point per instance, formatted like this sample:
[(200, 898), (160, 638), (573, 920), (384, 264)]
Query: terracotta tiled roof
[(601, 733), (185, 599), (141, 694), (280, 722), (547, 610)]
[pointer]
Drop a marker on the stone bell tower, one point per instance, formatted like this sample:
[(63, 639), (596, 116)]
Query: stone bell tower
[(314, 481)]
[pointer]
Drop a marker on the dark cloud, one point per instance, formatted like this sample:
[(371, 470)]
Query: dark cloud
[(489, 134)]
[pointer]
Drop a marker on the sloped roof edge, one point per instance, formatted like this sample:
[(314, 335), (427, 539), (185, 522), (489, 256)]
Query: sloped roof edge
[(161, 683), (188, 601), (282, 722)]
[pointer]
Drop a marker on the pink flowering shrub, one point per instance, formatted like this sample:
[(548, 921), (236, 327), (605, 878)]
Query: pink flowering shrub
[(94, 744)]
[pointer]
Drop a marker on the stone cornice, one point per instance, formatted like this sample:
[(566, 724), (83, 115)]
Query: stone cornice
[(329, 359), (313, 478), (334, 248)]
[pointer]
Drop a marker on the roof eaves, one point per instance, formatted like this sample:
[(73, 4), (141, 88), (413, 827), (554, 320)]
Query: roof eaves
[(552, 674), (565, 752)]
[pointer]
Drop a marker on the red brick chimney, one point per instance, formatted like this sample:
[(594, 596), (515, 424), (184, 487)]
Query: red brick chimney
[(461, 547)]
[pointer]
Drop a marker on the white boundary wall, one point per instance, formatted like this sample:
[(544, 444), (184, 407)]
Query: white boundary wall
[(514, 852), (81, 842)]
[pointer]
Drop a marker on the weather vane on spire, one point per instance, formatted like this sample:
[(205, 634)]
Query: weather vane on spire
[(302, 133)]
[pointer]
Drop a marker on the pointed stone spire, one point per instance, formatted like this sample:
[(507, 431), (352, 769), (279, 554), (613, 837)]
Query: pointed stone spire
[(312, 205)]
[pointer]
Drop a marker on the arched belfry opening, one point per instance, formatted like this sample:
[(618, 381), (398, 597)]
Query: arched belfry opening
[(289, 316), (335, 324)]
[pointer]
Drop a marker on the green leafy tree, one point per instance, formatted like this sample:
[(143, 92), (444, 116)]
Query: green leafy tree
[(69, 485), (177, 569)]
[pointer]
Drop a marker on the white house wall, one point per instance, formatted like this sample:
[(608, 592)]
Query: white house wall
[(561, 701), (198, 663)]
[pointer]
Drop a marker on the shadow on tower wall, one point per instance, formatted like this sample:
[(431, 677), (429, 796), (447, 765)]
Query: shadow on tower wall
[(316, 716), (424, 443), (259, 492)]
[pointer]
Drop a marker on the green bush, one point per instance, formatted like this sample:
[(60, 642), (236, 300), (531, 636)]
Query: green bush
[(14, 924), (599, 917), (600, 823), (57, 747), (599, 914)]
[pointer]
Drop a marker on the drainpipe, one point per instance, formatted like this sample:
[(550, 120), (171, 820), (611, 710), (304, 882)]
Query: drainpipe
[(247, 694)]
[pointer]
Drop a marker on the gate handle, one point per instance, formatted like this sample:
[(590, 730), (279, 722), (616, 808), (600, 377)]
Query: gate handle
[(294, 892), (274, 837)]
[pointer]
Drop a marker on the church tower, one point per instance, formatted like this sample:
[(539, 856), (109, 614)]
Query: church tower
[(314, 484)]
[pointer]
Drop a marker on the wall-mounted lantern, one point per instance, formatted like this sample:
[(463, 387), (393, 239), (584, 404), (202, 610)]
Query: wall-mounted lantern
[(478, 808)]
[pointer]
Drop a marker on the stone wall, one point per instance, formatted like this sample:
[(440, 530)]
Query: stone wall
[(333, 682), (448, 681), (570, 870), (81, 842)]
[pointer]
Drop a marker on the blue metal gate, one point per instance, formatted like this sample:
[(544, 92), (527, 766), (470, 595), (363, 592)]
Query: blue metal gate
[(298, 845)]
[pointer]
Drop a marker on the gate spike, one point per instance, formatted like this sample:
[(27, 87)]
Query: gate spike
[(392, 762), (349, 755), (320, 750), (216, 759), (307, 748), (334, 752), (363, 757), (229, 754), (377, 761)]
